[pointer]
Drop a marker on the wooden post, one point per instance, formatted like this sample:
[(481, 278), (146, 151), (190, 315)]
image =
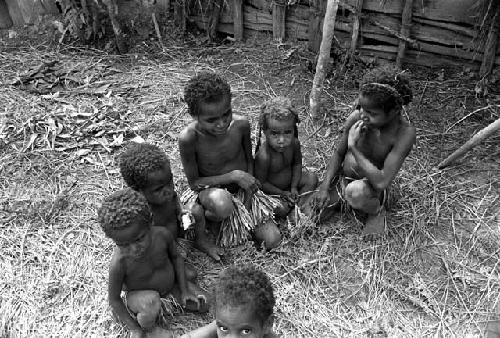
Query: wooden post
[(405, 30), (315, 17), (238, 19), (324, 56), (180, 14), (474, 140), (355, 27), (214, 18), (5, 20), (491, 46), (279, 9)]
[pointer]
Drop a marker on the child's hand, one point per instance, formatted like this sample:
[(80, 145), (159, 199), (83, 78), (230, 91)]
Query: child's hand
[(189, 296), (355, 134), (320, 199), (138, 333), (291, 196), (246, 181)]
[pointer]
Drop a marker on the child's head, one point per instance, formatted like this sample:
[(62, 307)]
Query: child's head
[(208, 97), (146, 168), (386, 88), (278, 119), (125, 217), (244, 302)]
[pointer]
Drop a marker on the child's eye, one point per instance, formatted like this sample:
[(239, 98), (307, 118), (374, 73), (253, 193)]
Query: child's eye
[(223, 328), (246, 331), (288, 132)]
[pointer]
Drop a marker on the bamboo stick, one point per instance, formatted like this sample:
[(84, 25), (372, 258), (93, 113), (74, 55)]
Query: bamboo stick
[(473, 141), (279, 8), (491, 46), (238, 19), (324, 56), (405, 30)]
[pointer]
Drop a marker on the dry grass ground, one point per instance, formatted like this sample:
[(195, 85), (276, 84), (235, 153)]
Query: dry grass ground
[(436, 273)]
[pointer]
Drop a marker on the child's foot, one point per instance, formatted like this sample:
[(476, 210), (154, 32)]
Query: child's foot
[(210, 249), (375, 226)]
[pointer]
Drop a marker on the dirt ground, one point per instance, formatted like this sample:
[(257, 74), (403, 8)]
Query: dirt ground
[(66, 111)]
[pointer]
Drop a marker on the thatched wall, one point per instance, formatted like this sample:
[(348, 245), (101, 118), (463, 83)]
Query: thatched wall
[(442, 31)]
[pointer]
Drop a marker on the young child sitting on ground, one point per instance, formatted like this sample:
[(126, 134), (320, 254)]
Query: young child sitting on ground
[(278, 163), (146, 169), (216, 154), (376, 140), (145, 264), (244, 304)]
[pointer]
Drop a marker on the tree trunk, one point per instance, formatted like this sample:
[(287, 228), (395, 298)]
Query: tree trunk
[(491, 46), (405, 30), (324, 56)]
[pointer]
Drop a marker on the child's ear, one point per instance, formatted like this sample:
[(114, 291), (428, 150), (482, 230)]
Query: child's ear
[(268, 325)]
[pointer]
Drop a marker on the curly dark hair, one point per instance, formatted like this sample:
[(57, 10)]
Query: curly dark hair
[(388, 85), (138, 161), (279, 108), (245, 285), (120, 209), (205, 87)]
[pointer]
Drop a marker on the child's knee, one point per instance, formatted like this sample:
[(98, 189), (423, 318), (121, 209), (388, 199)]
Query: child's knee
[(217, 202), (357, 193), (269, 234), (146, 304)]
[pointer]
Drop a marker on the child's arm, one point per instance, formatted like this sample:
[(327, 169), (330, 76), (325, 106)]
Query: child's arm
[(381, 178), (337, 158), (247, 145), (187, 140), (180, 272), (115, 282), (262, 162), (296, 167), (207, 331)]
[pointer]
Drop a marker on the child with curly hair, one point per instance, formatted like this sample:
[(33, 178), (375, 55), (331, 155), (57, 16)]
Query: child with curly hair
[(145, 264), (278, 163), (146, 169), (376, 140), (244, 303), (216, 155)]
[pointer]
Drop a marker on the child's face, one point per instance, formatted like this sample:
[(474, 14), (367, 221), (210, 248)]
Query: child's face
[(373, 115), (280, 133), (239, 321), (134, 240), (160, 186), (214, 117)]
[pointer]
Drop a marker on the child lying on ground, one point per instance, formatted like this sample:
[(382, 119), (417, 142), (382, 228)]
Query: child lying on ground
[(145, 264), (375, 142), (278, 163), (244, 304), (216, 155)]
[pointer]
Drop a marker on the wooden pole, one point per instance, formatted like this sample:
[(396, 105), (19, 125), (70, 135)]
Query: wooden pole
[(180, 15), (474, 140), (405, 30), (279, 9), (5, 20), (355, 27), (324, 56), (315, 16), (491, 46), (214, 19), (238, 19)]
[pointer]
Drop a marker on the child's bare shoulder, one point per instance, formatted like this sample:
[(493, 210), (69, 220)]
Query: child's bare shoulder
[(263, 154), (117, 261), (161, 233), (188, 133)]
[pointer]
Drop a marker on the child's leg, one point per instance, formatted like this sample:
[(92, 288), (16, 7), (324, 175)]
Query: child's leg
[(308, 181), (201, 240), (217, 203), (146, 305), (361, 196)]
